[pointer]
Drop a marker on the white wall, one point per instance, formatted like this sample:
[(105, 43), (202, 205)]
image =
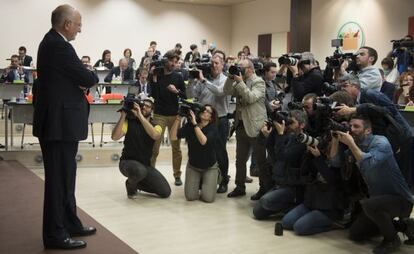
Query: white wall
[(259, 17), (381, 20), (116, 25)]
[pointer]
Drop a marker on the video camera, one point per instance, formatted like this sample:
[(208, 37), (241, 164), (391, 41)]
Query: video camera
[(290, 59), (398, 45), (186, 106), (202, 64), (159, 65), (128, 103), (335, 61)]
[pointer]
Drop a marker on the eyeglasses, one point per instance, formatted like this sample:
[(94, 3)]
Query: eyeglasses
[(208, 111)]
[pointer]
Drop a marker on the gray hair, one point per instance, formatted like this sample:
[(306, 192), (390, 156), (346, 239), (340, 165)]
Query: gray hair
[(355, 82), (300, 116), (61, 14)]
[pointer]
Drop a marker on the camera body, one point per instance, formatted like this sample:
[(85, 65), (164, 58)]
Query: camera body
[(128, 103), (402, 43), (158, 64), (290, 59), (236, 70), (186, 106)]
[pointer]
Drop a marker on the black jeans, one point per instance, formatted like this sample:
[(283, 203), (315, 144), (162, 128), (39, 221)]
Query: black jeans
[(222, 155), (145, 178), (376, 217)]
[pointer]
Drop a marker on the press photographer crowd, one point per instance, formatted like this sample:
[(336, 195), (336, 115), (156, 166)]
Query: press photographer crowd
[(327, 141)]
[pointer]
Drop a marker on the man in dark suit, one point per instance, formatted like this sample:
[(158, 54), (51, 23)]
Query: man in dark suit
[(60, 121), (122, 71), (24, 59), (15, 71), (143, 87)]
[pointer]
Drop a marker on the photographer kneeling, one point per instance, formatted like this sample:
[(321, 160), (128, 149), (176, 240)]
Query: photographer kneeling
[(324, 199), (140, 134), (202, 165), (286, 155)]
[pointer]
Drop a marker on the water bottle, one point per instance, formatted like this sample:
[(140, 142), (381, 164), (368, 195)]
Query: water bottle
[(96, 98), (21, 96)]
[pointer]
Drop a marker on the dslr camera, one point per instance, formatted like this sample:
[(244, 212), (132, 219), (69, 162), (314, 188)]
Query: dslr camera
[(335, 61), (290, 59), (128, 103), (186, 106)]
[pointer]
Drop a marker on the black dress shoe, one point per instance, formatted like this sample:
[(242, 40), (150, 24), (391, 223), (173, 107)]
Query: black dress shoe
[(67, 244), (409, 231), (222, 188), (85, 231), (258, 195), (237, 192), (248, 180)]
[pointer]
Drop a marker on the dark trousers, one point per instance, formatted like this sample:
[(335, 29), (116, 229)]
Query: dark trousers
[(145, 178), (59, 212), (377, 215), (243, 145), (222, 156)]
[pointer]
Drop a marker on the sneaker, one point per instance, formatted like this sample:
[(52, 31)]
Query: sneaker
[(178, 181), (409, 231), (131, 192), (386, 247)]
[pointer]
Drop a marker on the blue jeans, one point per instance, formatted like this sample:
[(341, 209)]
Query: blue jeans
[(275, 201), (304, 221)]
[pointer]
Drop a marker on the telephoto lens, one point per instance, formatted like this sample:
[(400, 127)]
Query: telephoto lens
[(278, 229)]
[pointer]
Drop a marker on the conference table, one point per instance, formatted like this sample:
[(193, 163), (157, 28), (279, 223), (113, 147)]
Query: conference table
[(22, 113)]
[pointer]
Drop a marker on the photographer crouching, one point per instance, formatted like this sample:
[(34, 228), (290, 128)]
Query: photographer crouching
[(202, 170), (140, 134), (389, 195)]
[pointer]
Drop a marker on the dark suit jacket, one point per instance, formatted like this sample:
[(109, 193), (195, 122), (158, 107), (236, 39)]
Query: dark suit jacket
[(138, 85), (388, 89), (10, 77), (128, 74), (27, 60), (60, 109)]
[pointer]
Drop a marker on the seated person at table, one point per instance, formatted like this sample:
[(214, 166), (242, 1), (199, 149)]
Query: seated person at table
[(105, 61), (122, 71), (24, 60), (86, 60), (14, 71)]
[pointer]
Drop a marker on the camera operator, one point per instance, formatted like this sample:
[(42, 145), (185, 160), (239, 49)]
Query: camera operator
[(368, 75), (166, 90), (403, 51), (250, 115), (324, 199), (202, 169), (272, 102), (312, 79), (140, 134), (386, 119), (285, 154), (389, 195), (211, 92)]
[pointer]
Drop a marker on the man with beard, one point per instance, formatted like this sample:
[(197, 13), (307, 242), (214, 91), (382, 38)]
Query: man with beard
[(140, 135), (286, 155), (389, 195)]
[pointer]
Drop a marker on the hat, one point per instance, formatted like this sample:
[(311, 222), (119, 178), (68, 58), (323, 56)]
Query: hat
[(150, 99)]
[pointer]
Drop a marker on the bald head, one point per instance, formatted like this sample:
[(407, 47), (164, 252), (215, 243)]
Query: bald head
[(67, 21), (123, 64)]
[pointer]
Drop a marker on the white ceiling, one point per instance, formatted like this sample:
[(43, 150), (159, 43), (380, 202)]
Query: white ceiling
[(210, 2)]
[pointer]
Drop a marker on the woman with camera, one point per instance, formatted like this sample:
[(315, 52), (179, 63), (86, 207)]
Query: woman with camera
[(202, 170)]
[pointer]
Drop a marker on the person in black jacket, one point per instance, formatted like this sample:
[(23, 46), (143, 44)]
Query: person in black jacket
[(310, 82), (285, 154), (105, 60), (324, 200), (60, 121), (24, 60), (123, 72)]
